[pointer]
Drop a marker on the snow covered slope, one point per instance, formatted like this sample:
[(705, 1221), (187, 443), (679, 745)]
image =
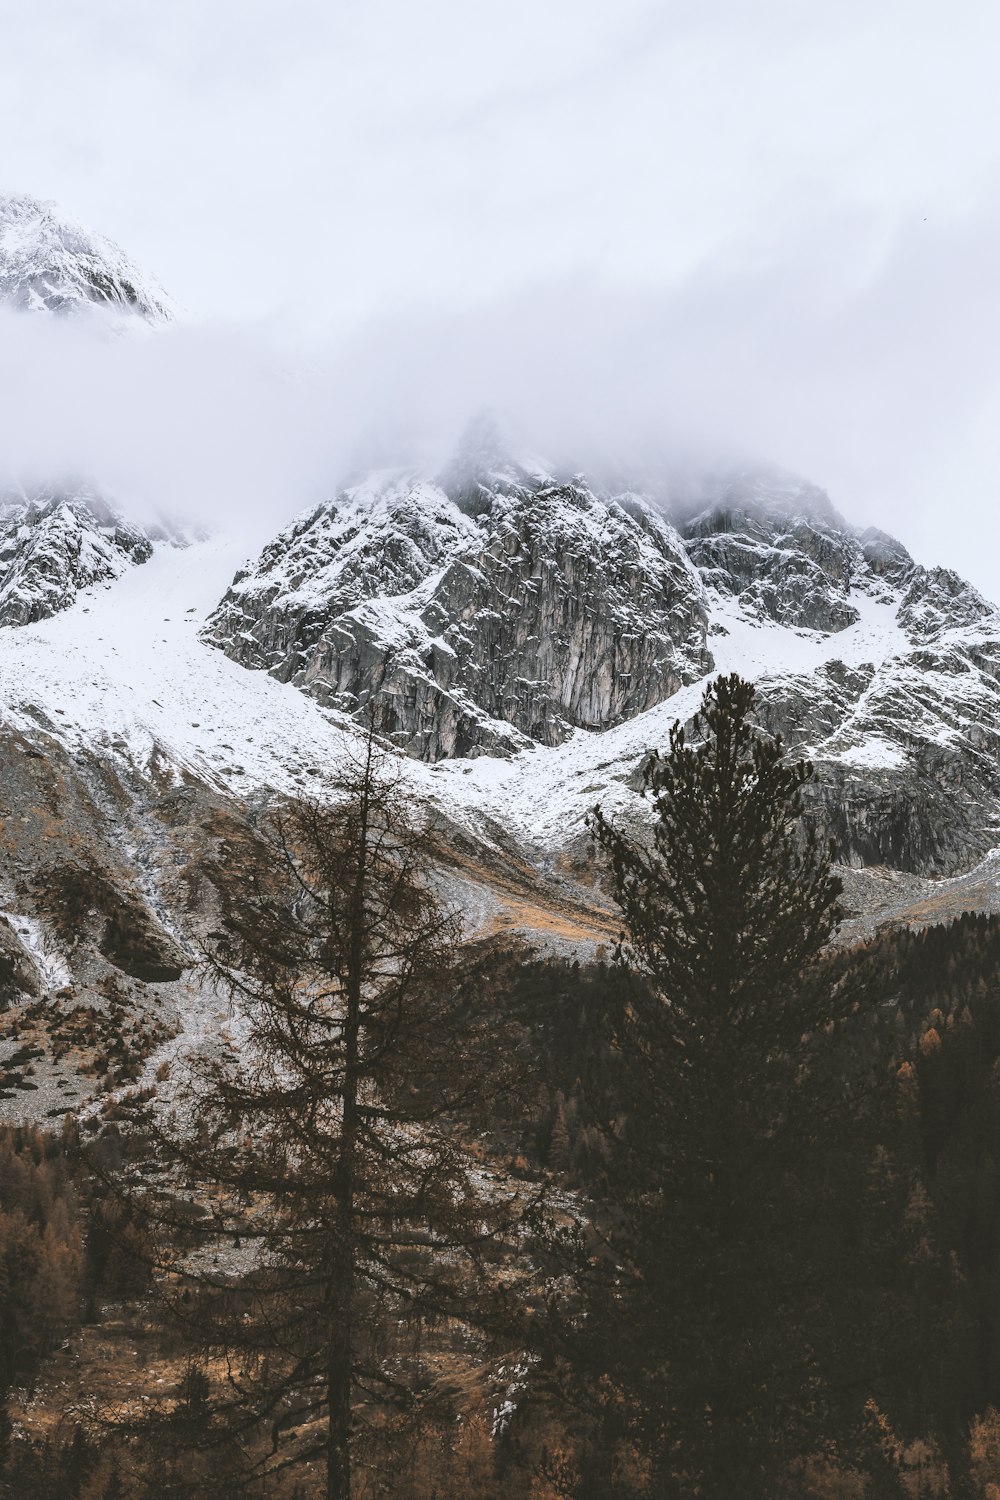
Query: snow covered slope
[(529, 634), (124, 671), (132, 748), (50, 264)]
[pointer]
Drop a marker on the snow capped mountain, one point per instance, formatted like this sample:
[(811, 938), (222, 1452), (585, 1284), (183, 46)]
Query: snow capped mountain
[(503, 605), (529, 634), (481, 612), (130, 743), (48, 263), (65, 536)]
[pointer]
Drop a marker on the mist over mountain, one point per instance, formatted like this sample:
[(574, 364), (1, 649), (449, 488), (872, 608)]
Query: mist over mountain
[(231, 427), (213, 564), (499, 750)]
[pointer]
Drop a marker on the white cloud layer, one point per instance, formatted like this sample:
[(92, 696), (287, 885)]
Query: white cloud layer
[(761, 226)]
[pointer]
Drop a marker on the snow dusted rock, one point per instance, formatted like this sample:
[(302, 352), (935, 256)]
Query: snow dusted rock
[(937, 601), (503, 608), (778, 546), (903, 721), (50, 264), (496, 607), (898, 704), (54, 544)]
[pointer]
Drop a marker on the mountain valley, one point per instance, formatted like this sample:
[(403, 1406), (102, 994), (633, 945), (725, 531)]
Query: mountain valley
[(526, 636)]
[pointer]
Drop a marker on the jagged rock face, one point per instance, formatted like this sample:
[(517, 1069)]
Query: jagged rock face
[(52, 545), (514, 609), (926, 818), (906, 740), (937, 600), (907, 748), (49, 264), (503, 606), (781, 549)]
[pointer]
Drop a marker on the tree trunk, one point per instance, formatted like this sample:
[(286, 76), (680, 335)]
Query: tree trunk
[(338, 1386)]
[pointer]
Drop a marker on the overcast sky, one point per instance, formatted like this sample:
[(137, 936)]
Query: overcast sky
[(773, 224)]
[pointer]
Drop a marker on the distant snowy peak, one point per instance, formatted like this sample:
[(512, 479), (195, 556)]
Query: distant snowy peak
[(514, 608), (776, 544), (56, 542), (50, 264)]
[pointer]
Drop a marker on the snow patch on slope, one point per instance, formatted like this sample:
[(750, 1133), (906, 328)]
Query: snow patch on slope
[(126, 672), (547, 794)]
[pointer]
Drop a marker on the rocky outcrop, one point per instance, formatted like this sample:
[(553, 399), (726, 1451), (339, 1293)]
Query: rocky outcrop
[(924, 817), (504, 605), (908, 773), (937, 600), (56, 541), (778, 546), (509, 607), (907, 749)]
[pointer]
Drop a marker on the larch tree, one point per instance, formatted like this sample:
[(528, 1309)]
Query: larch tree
[(329, 1137)]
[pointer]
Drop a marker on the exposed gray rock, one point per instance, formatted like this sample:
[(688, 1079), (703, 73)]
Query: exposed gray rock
[(53, 543), (781, 549), (938, 600), (512, 610), (907, 752), (925, 817), (18, 971), (503, 605), (886, 557)]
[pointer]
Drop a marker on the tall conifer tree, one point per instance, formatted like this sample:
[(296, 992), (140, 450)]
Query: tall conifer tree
[(717, 1313)]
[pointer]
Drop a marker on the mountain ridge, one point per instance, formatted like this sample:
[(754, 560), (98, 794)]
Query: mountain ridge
[(538, 612), (51, 264)]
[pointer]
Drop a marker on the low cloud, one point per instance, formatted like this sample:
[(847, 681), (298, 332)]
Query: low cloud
[(867, 364)]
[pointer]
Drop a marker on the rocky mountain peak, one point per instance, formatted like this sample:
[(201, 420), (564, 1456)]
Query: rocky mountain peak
[(55, 542), (50, 264), (886, 557), (776, 543), (506, 608), (551, 605), (484, 465)]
